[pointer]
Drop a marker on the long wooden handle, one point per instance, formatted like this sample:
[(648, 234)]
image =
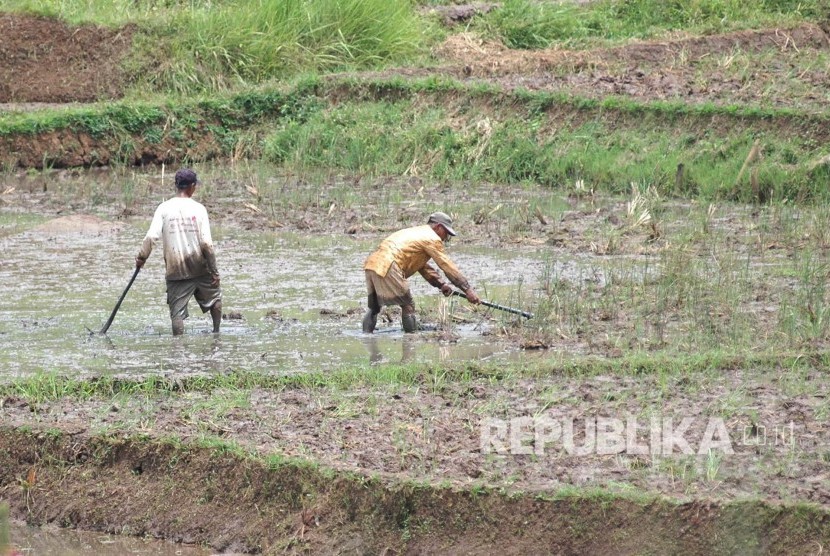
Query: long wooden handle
[(120, 299), (525, 314)]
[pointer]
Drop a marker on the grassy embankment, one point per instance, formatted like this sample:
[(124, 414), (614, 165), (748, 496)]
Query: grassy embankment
[(47, 387), (301, 507), (555, 143), (444, 130), (552, 140), (528, 24), (213, 47), (127, 420), (188, 48)]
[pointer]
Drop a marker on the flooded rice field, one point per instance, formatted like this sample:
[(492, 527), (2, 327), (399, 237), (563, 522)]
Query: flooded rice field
[(603, 276), (292, 303)]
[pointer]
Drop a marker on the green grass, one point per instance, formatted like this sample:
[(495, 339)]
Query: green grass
[(230, 389), (4, 526), (192, 47), (452, 132), (109, 13), (195, 46), (150, 120), (477, 143), (528, 24)]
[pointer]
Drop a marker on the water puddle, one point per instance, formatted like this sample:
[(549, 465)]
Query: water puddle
[(53, 541), (294, 303)]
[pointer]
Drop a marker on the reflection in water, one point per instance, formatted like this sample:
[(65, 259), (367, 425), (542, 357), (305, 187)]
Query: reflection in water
[(52, 541), (408, 349), (372, 343)]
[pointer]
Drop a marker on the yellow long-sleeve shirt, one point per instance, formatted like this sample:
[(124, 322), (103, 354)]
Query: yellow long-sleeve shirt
[(411, 249)]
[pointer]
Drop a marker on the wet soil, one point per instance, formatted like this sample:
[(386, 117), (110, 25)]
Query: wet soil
[(56, 541), (759, 68), (43, 60), (103, 463), (293, 294), (691, 70), (432, 431), (235, 503), (577, 253), (107, 464)]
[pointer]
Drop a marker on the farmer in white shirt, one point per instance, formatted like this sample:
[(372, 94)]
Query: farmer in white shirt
[(182, 224)]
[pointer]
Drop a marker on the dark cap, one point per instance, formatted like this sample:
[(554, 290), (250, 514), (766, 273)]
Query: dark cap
[(443, 219), (185, 178)]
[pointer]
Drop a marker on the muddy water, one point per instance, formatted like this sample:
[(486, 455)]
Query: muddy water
[(294, 302), (51, 541)]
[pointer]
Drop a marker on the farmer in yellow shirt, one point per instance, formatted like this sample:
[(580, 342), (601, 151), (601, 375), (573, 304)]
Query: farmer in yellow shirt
[(401, 255)]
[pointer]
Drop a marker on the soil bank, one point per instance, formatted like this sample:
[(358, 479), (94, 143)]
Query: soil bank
[(236, 503)]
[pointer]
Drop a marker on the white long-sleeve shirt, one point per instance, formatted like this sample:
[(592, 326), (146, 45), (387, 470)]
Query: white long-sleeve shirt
[(182, 225)]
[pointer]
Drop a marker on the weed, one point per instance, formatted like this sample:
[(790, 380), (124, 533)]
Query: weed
[(713, 461)]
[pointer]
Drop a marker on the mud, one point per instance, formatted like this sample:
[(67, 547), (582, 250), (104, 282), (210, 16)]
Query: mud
[(402, 468), (46, 61), (293, 306), (461, 13), (286, 291), (296, 308), (760, 68), (288, 286), (691, 70), (55, 541), (432, 431), (84, 224), (233, 504), (483, 54)]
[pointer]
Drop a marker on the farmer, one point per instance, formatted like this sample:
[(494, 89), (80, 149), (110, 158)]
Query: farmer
[(182, 224), (401, 255)]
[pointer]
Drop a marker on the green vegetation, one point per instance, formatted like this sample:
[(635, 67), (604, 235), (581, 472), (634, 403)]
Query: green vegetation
[(406, 513), (492, 137), (478, 143), (679, 301), (227, 389), (151, 120), (4, 527), (438, 128), (210, 46), (529, 24), (194, 46)]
